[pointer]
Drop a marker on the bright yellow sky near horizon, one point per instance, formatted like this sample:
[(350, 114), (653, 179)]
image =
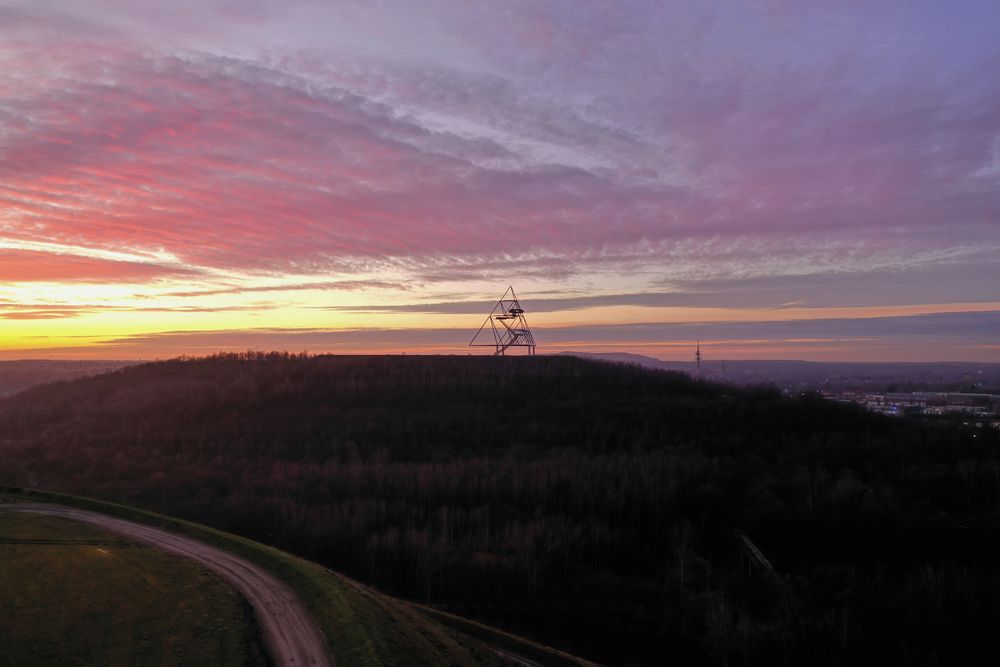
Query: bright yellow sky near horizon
[(61, 320)]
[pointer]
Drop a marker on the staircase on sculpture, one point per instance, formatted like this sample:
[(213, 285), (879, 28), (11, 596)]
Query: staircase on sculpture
[(507, 325)]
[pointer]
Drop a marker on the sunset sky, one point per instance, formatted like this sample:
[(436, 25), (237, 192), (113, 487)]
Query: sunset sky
[(779, 179)]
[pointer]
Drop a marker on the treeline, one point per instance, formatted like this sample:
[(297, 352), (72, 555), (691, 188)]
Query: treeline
[(19, 375), (589, 505)]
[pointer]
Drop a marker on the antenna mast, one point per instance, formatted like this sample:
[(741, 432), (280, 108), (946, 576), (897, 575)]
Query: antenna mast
[(697, 362), (508, 326)]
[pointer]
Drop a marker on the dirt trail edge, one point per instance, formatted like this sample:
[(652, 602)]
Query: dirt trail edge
[(289, 631)]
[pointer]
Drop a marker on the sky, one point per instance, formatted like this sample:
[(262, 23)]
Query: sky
[(778, 179)]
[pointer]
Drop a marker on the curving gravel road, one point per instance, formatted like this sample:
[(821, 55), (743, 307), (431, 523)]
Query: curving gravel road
[(289, 631)]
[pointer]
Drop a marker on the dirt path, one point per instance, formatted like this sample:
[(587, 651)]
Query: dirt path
[(289, 631)]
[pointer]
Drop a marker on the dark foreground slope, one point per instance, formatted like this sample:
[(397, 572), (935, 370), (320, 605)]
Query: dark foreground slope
[(593, 506)]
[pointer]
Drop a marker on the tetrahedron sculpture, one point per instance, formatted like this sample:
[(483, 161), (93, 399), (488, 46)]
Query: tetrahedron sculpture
[(505, 327)]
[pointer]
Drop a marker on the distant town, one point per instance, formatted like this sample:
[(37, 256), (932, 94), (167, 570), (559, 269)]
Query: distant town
[(983, 408), (952, 390)]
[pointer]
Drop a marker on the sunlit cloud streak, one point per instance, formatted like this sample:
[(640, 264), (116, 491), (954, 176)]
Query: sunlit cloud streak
[(34, 266), (38, 311), (339, 285), (970, 336)]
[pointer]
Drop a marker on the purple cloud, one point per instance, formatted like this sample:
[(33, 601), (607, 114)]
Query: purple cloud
[(624, 153)]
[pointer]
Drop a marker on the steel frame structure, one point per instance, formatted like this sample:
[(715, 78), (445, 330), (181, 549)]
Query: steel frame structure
[(507, 324)]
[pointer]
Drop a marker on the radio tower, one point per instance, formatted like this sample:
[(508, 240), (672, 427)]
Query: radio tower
[(697, 362)]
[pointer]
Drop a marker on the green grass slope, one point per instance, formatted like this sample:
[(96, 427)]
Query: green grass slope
[(363, 627), (72, 594)]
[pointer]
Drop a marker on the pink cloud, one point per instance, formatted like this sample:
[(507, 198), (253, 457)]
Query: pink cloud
[(592, 140), (234, 166), (36, 266)]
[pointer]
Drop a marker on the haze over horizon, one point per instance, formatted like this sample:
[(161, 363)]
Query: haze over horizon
[(780, 181)]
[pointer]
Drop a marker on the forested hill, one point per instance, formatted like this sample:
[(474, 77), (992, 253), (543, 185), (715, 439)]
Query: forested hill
[(594, 506), (19, 375)]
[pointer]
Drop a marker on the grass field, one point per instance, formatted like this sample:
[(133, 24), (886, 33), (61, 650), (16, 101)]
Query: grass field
[(72, 594), (363, 628)]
